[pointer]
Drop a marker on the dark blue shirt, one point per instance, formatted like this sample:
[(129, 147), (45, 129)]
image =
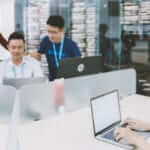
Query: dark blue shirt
[(70, 49)]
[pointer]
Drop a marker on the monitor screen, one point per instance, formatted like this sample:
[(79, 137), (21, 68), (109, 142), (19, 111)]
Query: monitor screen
[(105, 110)]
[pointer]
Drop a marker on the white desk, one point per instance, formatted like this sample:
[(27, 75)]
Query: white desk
[(73, 131)]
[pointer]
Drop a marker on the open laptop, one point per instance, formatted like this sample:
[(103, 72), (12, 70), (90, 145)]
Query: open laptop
[(78, 66), (18, 83), (106, 117)]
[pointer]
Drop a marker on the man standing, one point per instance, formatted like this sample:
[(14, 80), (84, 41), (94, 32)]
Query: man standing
[(56, 46)]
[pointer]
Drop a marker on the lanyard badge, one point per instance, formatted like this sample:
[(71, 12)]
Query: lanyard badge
[(15, 73), (60, 52)]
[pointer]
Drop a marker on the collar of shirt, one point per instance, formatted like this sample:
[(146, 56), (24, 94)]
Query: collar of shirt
[(21, 71), (11, 64)]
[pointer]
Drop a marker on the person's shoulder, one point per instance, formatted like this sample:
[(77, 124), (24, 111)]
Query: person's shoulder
[(4, 64), (31, 60), (45, 39), (70, 41), (5, 61)]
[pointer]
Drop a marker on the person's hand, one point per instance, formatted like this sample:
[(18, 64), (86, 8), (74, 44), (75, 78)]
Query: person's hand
[(132, 138), (137, 124), (127, 134), (36, 55)]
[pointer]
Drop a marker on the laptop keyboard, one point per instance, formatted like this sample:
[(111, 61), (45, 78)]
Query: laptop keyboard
[(110, 135)]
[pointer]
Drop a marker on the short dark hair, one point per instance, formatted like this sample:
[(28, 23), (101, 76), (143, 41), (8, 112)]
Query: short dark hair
[(16, 36), (56, 21)]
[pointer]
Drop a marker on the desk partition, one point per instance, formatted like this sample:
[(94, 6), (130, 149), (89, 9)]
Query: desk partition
[(78, 90)]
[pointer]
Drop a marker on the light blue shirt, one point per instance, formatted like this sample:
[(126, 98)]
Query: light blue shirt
[(28, 68)]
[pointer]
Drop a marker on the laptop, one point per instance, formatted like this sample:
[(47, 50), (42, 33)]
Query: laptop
[(79, 66), (106, 117), (18, 83)]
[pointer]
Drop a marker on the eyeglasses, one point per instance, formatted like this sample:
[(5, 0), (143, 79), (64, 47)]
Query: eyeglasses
[(53, 32)]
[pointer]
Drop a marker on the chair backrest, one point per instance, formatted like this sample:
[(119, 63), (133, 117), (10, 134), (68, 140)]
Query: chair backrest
[(18, 83), (37, 101), (7, 99)]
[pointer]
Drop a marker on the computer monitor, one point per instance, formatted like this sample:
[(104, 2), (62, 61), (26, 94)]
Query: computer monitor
[(78, 66)]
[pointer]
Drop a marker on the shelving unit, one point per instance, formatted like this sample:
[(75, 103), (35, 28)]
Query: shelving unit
[(84, 26), (136, 17)]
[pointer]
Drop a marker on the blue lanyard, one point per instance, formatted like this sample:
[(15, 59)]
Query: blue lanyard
[(60, 51), (14, 70)]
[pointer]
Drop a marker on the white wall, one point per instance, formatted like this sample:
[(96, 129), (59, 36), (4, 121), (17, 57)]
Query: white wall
[(7, 17), (7, 22)]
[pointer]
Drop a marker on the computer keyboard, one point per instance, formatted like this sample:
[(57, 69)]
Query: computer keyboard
[(110, 135)]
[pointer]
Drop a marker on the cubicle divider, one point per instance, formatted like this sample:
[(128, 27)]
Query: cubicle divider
[(123, 80), (30, 102), (79, 90), (7, 100), (39, 101), (43, 98)]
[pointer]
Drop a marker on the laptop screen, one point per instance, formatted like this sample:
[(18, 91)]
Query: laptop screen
[(105, 111)]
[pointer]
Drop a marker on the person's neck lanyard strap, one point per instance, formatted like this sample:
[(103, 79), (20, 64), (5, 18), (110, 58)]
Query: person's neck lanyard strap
[(14, 70), (60, 52)]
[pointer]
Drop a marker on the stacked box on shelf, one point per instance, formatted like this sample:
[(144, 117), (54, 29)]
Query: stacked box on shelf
[(130, 13), (145, 16), (145, 12), (91, 29), (131, 17), (35, 17), (43, 16), (31, 28), (78, 24)]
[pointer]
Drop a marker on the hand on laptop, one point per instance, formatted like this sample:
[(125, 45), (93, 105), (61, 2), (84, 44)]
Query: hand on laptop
[(132, 138), (137, 124), (127, 134)]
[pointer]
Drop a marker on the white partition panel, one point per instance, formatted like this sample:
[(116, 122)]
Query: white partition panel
[(37, 101), (79, 90), (123, 80)]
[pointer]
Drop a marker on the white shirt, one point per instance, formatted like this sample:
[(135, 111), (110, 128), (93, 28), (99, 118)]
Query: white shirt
[(28, 68)]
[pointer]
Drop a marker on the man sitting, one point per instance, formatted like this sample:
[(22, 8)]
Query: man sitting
[(18, 65)]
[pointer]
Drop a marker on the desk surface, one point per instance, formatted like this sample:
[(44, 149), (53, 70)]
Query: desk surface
[(73, 131)]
